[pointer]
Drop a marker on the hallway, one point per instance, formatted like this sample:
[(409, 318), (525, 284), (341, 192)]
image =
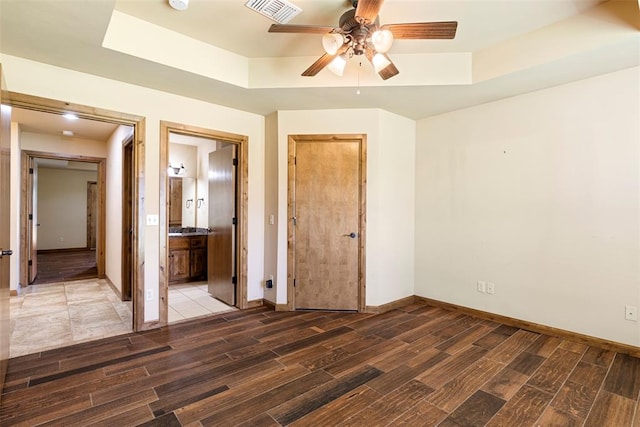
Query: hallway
[(64, 313), (56, 315), (59, 266)]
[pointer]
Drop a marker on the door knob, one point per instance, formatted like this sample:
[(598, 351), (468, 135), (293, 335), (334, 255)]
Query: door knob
[(352, 235), (8, 252)]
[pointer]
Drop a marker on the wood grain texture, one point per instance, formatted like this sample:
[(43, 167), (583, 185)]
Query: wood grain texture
[(317, 280), (260, 367), (611, 409)]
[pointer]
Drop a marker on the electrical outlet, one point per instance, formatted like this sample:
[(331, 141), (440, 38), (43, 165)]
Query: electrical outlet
[(149, 294), (268, 284), (482, 286), (491, 287), (630, 312)]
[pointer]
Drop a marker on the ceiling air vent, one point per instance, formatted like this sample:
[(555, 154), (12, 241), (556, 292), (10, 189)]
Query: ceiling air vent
[(277, 10)]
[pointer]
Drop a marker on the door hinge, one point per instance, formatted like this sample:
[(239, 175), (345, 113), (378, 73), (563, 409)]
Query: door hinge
[(294, 283), (30, 171), (30, 263), (234, 280), (235, 162), (234, 221), (30, 217)]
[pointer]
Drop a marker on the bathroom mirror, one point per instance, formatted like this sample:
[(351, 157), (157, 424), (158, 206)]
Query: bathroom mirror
[(182, 202), (182, 192), (188, 202)]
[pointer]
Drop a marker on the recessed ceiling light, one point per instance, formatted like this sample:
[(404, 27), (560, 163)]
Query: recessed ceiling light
[(70, 116), (67, 133), (179, 4)]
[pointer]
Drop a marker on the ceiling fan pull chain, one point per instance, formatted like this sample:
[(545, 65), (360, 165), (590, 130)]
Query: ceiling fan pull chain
[(359, 66)]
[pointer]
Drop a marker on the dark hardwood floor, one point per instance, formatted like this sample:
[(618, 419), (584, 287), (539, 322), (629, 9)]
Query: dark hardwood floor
[(67, 265), (414, 366)]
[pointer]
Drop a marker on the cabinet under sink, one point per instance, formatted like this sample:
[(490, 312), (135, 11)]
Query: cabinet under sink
[(187, 258)]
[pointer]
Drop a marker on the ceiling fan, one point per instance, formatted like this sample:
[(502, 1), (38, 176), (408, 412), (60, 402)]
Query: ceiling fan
[(359, 32)]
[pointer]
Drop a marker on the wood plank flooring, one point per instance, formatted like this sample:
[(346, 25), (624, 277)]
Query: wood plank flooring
[(66, 265), (414, 366)]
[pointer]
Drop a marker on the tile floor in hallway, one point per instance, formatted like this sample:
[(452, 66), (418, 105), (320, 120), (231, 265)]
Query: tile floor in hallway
[(60, 314)]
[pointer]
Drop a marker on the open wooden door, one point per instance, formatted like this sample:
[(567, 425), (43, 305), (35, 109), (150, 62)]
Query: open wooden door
[(5, 235), (221, 263), (92, 214), (127, 220)]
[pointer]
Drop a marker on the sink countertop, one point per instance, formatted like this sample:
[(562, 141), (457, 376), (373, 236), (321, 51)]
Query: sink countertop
[(193, 233)]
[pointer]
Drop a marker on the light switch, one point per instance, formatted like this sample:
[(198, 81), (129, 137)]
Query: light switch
[(152, 219)]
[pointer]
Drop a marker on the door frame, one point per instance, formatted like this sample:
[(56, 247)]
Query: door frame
[(362, 211), (48, 105), (26, 193), (242, 201)]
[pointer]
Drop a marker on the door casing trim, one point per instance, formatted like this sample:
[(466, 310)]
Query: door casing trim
[(242, 143), (362, 211), (48, 105), (26, 159)]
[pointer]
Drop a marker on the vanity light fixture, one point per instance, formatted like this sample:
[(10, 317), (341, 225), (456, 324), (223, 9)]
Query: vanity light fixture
[(70, 116), (175, 170)]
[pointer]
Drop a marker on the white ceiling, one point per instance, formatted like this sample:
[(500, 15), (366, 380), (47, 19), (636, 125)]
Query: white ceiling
[(511, 47), (54, 124)]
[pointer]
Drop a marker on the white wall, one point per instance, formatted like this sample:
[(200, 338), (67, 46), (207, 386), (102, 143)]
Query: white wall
[(32, 78), (113, 205), (538, 194), (62, 145), (390, 194), (271, 207), (62, 207)]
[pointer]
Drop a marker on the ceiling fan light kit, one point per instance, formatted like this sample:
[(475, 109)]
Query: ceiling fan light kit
[(338, 65), (359, 33), (331, 42), (380, 62), (382, 40)]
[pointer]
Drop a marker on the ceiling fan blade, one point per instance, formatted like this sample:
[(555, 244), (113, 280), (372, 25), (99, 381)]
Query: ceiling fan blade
[(423, 30), (304, 29), (388, 71), (317, 66), (368, 10), (323, 61)]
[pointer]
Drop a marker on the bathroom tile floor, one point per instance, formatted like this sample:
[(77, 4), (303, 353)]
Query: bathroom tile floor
[(60, 314), (191, 300)]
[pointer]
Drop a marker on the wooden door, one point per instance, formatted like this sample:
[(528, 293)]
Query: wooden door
[(32, 201), (92, 213), (5, 250), (221, 265), (326, 221)]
